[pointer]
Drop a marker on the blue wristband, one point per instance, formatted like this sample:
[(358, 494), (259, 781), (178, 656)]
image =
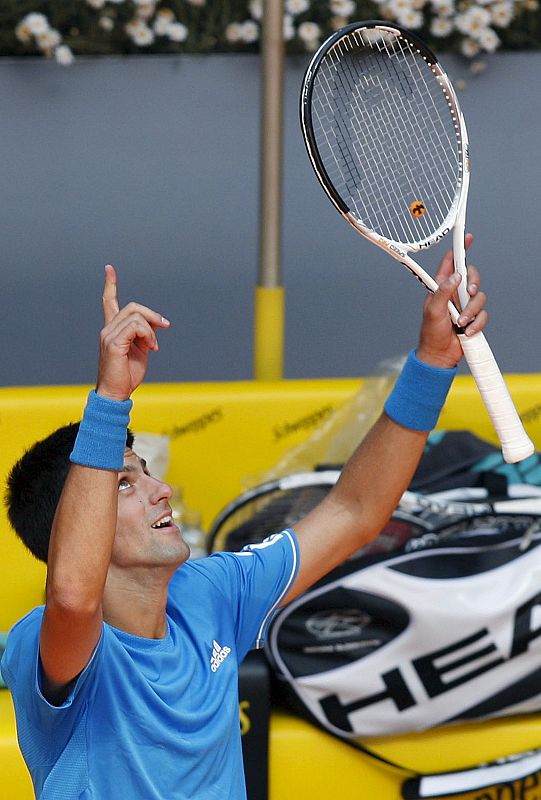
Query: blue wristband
[(418, 395), (101, 439)]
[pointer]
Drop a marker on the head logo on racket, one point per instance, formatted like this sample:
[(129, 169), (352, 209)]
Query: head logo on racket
[(417, 209)]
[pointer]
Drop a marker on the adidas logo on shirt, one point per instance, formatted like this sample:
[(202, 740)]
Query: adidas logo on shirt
[(219, 654)]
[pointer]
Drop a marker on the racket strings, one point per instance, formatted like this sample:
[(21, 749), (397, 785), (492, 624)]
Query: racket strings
[(401, 138), (403, 142), (268, 513), (369, 192), (387, 136), (392, 148), (441, 163)]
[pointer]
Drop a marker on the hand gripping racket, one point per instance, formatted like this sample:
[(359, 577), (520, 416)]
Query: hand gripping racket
[(387, 140)]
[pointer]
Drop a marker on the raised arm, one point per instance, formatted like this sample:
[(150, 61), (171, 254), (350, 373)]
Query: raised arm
[(85, 521), (380, 470)]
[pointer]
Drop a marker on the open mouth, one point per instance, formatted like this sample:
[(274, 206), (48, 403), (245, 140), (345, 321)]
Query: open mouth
[(165, 523)]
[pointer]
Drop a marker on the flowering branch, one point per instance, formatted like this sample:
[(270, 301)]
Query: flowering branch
[(471, 27)]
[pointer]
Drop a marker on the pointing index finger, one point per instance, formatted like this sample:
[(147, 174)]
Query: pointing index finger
[(110, 294)]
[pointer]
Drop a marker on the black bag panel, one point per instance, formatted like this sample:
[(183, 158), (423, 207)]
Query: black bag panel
[(337, 627)]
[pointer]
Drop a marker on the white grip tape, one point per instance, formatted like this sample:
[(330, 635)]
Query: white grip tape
[(515, 442)]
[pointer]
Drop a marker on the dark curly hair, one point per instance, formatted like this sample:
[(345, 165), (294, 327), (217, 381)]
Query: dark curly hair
[(34, 486)]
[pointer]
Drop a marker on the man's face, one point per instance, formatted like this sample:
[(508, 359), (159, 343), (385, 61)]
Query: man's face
[(146, 535)]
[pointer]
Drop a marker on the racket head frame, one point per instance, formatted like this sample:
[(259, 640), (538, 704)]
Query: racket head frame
[(455, 217)]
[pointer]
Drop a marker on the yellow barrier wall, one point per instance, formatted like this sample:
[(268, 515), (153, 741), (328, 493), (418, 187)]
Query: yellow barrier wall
[(221, 434)]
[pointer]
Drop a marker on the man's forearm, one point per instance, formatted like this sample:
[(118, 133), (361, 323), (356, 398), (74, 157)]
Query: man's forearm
[(82, 537)]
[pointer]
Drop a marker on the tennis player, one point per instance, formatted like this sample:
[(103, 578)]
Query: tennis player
[(125, 681)]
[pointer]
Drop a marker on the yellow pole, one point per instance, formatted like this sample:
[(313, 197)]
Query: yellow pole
[(269, 333), (269, 293)]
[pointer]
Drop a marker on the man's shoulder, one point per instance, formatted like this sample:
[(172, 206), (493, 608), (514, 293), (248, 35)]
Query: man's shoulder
[(208, 582), (22, 642), (222, 571), (30, 621), (198, 574)]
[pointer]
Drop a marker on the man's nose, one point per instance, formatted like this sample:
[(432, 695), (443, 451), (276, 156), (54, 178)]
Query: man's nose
[(160, 491)]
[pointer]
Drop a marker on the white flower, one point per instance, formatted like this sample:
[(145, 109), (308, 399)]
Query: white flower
[(469, 47), (289, 28), (444, 8), (502, 14), (106, 23), (255, 7), (410, 18), (132, 26), (398, 7), (36, 23), (97, 4), (249, 31), (337, 22), (473, 21), (22, 32), (163, 19), (64, 55), (441, 26), (232, 32), (48, 40), (488, 39), (143, 37), (145, 10), (246, 32), (139, 33), (343, 8), (296, 6), (309, 33), (177, 32)]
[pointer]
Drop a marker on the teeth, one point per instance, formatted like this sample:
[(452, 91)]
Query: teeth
[(163, 523)]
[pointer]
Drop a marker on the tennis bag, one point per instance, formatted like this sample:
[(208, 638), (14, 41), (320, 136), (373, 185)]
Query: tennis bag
[(445, 628), (438, 620)]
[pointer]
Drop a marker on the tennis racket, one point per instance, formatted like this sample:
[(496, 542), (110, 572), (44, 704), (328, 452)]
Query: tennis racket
[(470, 502), (282, 502), (388, 143), (268, 508)]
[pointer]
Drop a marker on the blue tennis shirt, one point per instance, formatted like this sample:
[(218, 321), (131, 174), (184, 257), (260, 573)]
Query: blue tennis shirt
[(155, 719)]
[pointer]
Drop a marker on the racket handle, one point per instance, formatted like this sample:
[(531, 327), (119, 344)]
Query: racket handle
[(516, 445)]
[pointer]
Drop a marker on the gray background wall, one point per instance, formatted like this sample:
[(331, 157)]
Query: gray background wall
[(151, 163)]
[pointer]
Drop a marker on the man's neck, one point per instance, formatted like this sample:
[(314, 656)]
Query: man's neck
[(136, 602)]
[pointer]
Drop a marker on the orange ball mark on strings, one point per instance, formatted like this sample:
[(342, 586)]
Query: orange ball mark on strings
[(417, 209)]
